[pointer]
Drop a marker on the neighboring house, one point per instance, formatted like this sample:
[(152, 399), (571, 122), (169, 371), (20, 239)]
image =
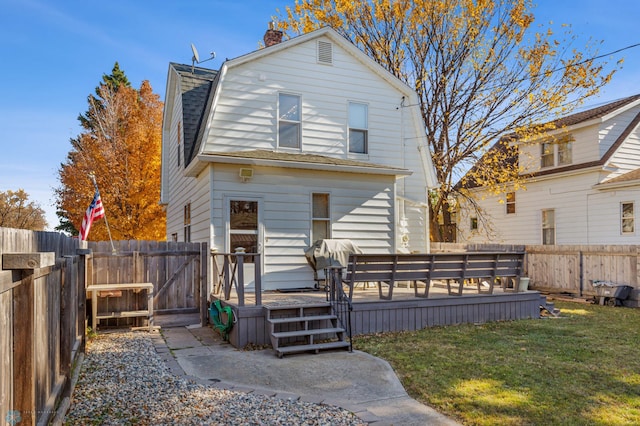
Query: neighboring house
[(305, 139), (584, 186)]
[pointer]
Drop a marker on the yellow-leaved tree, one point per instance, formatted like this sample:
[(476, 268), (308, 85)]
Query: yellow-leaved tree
[(16, 211), (482, 71), (121, 146)]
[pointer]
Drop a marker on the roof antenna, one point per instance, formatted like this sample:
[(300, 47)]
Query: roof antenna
[(196, 58)]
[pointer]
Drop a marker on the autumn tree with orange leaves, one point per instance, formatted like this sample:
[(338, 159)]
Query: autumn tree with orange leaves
[(121, 146), (481, 70), (16, 211)]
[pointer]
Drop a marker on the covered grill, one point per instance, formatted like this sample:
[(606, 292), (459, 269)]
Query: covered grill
[(327, 253)]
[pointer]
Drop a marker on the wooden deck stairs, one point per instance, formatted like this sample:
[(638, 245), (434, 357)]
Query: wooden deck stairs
[(549, 307), (307, 327)]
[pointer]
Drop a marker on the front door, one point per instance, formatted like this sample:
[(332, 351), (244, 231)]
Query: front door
[(244, 232)]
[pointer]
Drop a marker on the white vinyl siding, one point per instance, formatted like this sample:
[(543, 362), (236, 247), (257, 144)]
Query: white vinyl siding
[(585, 212), (196, 192), (361, 209), (245, 114)]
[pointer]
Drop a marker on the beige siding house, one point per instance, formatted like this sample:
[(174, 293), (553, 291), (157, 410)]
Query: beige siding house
[(305, 139), (584, 185)]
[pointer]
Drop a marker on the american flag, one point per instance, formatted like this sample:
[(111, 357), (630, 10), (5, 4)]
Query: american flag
[(94, 212)]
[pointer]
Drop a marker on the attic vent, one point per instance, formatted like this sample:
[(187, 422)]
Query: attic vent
[(325, 52)]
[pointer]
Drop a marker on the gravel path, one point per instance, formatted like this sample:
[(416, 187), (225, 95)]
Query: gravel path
[(123, 381)]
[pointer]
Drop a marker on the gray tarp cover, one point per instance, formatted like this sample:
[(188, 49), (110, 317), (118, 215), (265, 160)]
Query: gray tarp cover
[(325, 253)]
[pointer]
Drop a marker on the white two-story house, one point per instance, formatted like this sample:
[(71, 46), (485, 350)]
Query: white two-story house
[(582, 185), (305, 139)]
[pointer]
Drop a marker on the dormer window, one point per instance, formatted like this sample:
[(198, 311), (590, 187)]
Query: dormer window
[(556, 153), (564, 153), (546, 156)]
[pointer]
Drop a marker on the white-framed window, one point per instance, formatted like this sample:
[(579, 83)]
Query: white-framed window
[(556, 153), (627, 218), (548, 227), (546, 155), (358, 128), (564, 153), (511, 203), (473, 224), (289, 120), (187, 222), (320, 217)]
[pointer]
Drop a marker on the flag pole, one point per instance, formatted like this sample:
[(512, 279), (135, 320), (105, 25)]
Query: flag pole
[(95, 185)]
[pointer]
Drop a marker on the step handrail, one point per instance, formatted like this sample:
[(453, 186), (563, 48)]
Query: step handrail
[(339, 300)]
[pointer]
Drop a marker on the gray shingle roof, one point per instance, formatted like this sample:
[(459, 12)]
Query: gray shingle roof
[(596, 112), (195, 87)]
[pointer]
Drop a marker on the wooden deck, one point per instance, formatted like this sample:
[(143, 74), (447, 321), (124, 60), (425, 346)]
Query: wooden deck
[(404, 313)]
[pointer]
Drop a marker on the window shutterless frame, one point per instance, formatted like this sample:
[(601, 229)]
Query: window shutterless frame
[(289, 121)]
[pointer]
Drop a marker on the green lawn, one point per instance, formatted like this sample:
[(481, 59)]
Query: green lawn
[(582, 368)]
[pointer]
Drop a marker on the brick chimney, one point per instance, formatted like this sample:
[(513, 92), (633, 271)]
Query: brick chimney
[(272, 36)]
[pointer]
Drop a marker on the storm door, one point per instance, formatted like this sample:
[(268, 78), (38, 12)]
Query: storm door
[(244, 232)]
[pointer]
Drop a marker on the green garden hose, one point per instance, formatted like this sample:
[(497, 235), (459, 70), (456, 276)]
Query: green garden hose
[(215, 309)]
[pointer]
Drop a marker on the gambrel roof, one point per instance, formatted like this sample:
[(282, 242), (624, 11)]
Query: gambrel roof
[(200, 87)]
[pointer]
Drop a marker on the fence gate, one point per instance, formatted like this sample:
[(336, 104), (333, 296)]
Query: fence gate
[(177, 270)]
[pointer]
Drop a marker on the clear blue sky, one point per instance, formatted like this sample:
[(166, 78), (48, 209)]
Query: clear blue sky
[(54, 53)]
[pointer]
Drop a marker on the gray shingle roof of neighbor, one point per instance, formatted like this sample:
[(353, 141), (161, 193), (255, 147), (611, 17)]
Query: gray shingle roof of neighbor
[(596, 112), (196, 87)]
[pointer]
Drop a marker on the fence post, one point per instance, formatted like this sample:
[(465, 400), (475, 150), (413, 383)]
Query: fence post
[(67, 325), (82, 283), (23, 349), (581, 268), (240, 278), (204, 280), (258, 279)]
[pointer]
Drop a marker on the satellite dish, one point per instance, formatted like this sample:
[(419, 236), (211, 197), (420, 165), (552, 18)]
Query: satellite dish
[(195, 59)]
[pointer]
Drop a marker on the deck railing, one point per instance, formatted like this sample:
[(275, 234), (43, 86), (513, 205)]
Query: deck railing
[(230, 271), (339, 300)]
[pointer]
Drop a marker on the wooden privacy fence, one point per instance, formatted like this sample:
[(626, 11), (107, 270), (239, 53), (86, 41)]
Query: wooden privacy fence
[(42, 317), (177, 270), (570, 268)]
